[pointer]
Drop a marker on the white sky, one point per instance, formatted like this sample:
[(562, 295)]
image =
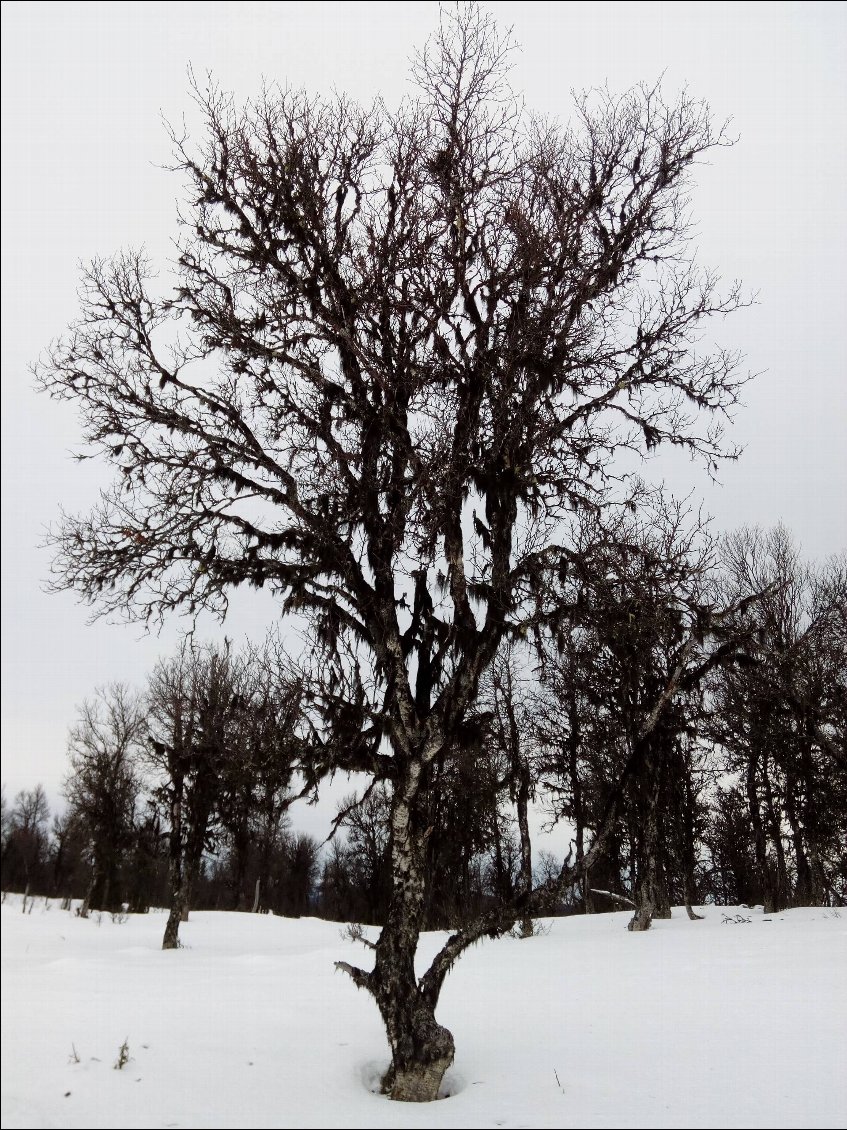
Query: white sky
[(84, 87)]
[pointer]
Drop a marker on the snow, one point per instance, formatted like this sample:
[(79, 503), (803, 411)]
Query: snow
[(692, 1024)]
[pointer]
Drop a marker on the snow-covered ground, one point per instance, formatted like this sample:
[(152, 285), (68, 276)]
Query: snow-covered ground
[(691, 1024)]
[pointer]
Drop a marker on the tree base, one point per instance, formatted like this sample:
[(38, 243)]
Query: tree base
[(418, 1084), (641, 920), (170, 941)]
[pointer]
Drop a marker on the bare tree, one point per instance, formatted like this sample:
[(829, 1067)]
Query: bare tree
[(103, 784), (194, 708), (783, 720), (257, 782), (403, 346), (277, 731), (505, 691), (639, 632), (367, 858), (25, 841)]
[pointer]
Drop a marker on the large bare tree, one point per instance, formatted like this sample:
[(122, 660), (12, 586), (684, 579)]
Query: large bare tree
[(403, 346)]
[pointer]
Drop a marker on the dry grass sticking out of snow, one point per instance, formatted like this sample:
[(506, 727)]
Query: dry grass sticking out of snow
[(739, 1023)]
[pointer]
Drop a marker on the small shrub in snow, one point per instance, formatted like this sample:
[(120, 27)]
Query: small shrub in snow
[(123, 1055), (355, 932)]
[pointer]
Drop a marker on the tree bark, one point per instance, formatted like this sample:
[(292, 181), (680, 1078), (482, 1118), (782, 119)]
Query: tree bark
[(525, 873), (421, 1048), (765, 878), (578, 806), (179, 901), (92, 894), (179, 873), (651, 892), (689, 851)]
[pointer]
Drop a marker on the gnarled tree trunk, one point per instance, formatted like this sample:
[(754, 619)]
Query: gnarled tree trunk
[(421, 1048)]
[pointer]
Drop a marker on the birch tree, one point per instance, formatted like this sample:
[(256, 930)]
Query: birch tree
[(403, 346)]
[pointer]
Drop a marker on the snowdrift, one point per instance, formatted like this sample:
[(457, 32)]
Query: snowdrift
[(735, 1021)]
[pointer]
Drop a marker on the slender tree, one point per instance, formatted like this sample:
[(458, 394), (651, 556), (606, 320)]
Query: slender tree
[(505, 691)]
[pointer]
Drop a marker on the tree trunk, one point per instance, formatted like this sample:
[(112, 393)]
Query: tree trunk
[(808, 818), (501, 877), (577, 805), (179, 902), (651, 893), (524, 884), (765, 878), (92, 894), (781, 891), (803, 884), (587, 893), (85, 907), (689, 849), (170, 941), (180, 876), (817, 880), (520, 769), (181, 869), (104, 899), (690, 892), (421, 1049), (264, 881)]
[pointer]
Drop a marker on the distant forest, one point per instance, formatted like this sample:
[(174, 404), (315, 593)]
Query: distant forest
[(177, 795)]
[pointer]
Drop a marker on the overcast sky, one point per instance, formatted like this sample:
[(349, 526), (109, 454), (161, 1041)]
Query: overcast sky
[(84, 88)]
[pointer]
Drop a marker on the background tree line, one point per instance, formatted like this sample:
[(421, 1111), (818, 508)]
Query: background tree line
[(178, 796)]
